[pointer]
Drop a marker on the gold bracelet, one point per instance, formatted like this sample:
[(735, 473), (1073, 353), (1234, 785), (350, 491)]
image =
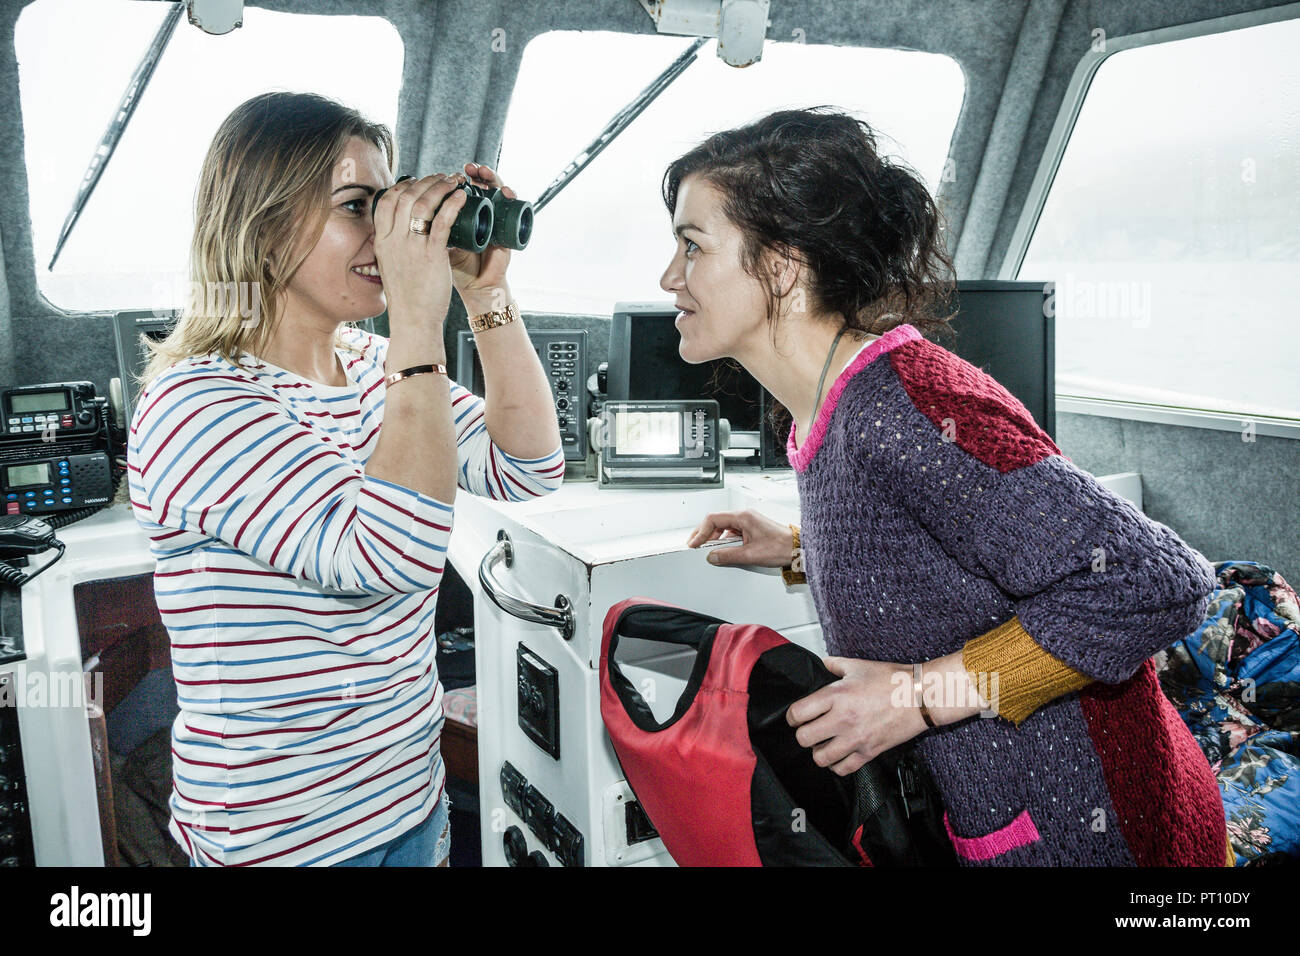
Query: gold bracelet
[(495, 319), (391, 380), (918, 697), (793, 572)]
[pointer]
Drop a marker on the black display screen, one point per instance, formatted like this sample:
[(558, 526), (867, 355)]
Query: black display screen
[(39, 401), (33, 474), (656, 370)]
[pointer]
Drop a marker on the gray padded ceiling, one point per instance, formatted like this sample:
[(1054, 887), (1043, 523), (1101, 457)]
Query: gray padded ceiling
[(1017, 57)]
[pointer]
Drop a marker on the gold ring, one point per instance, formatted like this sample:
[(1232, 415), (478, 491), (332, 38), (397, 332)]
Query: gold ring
[(421, 226)]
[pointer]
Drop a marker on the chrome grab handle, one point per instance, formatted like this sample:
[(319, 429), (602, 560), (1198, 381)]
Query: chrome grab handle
[(559, 617)]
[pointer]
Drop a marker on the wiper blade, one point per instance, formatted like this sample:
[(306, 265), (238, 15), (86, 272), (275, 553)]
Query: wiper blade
[(620, 122), (108, 143)]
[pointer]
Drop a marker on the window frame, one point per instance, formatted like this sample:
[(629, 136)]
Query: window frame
[(1036, 199), (51, 308), (938, 194)]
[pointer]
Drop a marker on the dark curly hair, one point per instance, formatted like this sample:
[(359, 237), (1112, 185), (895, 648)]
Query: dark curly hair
[(812, 183)]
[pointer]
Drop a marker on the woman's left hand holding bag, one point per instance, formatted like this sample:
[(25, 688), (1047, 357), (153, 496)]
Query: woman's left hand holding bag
[(860, 716), (873, 708)]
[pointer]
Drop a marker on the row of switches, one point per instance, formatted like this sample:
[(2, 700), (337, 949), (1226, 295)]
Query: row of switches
[(556, 833)]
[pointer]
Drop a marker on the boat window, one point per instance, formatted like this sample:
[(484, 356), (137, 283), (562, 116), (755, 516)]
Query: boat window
[(130, 249), (607, 236), (1170, 227)]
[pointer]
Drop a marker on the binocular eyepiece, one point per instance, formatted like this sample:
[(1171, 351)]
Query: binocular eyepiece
[(488, 218)]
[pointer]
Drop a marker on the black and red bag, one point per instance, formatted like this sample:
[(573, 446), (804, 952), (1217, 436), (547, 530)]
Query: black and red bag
[(723, 780)]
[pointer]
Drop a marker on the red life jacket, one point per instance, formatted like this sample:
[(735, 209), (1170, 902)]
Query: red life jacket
[(723, 780)]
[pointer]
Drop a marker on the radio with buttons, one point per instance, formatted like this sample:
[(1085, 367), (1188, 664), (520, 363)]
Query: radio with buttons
[(53, 448), (56, 483), (563, 354), (49, 412)]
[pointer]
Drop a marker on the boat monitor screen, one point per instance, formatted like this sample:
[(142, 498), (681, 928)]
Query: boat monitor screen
[(648, 433)]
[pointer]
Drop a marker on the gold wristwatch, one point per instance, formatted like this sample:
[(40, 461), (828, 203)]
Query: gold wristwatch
[(496, 319)]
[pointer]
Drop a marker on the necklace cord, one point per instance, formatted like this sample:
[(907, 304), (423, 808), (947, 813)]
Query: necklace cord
[(822, 381)]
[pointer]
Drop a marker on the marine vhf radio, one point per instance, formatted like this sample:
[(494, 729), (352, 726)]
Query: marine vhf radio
[(57, 465)]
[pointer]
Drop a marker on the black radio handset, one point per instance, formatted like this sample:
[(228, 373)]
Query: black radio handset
[(21, 535)]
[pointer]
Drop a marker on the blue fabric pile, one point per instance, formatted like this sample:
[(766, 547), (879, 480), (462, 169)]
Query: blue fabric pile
[(1236, 683)]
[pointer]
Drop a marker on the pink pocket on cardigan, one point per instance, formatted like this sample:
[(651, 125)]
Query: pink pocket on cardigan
[(1019, 832)]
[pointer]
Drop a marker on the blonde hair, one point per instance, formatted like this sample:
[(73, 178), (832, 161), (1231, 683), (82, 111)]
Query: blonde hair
[(262, 197)]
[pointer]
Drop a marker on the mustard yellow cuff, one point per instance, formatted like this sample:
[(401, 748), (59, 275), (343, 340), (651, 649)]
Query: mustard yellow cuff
[(1027, 676)]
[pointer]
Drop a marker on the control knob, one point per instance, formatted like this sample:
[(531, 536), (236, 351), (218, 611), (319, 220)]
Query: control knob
[(516, 847)]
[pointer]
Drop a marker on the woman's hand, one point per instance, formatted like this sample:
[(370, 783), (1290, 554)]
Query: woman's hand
[(766, 543), (478, 275), (415, 268), (860, 716)]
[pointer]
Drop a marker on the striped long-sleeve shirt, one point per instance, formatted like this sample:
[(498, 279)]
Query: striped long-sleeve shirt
[(299, 595)]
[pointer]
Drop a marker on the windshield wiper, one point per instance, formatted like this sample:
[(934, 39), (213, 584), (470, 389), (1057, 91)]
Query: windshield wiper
[(108, 143), (144, 71), (619, 123)]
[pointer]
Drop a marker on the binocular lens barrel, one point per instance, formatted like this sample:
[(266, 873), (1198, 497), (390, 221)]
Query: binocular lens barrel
[(487, 218), (472, 230), (514, 221)]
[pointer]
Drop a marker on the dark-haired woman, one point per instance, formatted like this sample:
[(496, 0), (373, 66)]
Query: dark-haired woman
[(976, 590)]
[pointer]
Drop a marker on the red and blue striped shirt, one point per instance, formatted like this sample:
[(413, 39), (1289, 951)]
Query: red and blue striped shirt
[(299, 594)]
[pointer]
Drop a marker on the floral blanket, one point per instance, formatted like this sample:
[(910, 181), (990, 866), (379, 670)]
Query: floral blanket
[(1236, 683)]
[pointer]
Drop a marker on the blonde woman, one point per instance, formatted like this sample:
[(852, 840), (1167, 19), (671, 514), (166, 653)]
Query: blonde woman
[(297, 477)]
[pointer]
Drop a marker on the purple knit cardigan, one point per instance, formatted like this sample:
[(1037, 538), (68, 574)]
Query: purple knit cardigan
[(935, 510)]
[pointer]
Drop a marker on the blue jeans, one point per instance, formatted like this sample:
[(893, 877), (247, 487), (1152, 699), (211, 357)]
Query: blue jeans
[(428, 844), (425, 845)]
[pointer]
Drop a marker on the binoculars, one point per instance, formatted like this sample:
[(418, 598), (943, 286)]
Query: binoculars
[(488, 218)]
